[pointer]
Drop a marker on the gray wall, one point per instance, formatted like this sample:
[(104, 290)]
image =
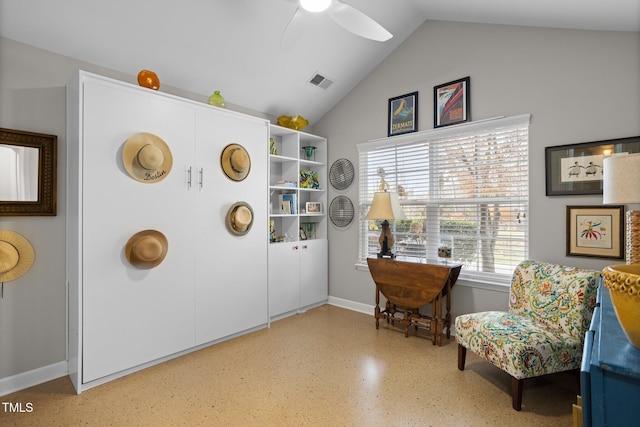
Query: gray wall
[(579, 86)]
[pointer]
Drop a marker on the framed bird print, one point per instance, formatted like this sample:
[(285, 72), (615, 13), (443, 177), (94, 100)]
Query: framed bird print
[(578, 169)]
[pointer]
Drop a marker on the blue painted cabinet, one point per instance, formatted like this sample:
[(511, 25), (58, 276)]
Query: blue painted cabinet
[(610, 372)]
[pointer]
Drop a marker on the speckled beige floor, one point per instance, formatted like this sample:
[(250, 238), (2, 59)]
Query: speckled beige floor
[(327, 367)]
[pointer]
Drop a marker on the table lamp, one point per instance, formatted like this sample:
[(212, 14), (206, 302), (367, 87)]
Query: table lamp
[(621, 184), (386, 207)]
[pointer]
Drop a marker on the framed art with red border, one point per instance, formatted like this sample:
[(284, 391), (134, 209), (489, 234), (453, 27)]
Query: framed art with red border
[(451, 103)]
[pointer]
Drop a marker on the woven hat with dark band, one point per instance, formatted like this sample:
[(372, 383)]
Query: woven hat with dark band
[(147, 158), (16, 255), (239, 218), (235, 162), (146, 249)]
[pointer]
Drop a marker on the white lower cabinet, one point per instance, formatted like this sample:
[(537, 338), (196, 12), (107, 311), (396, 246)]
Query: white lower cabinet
[(212, 285), (313, 272), (297, 276)]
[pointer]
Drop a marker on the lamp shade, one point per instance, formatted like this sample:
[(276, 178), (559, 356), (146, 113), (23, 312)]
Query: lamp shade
[(621, 183), (385, 205)]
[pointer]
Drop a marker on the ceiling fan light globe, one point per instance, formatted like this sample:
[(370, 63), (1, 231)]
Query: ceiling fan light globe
[(315, 5)]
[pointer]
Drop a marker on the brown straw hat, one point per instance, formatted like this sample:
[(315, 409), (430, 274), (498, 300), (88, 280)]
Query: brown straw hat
[(147, 158), (16, 255), (146, 249), (239, 218), (235, 162)]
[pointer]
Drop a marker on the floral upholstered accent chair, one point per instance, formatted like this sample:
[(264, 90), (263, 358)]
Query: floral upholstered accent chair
[(550, 308)]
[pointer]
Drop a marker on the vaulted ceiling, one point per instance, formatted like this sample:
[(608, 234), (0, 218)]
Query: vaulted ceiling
[(234, 45)]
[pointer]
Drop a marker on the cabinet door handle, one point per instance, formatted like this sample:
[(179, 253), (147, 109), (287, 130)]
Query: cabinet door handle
[(189, 177), (201, 177), (295, 247), (305, 247)]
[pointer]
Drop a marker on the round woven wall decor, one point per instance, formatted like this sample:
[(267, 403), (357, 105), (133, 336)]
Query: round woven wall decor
[(341, 174), (341, 211)]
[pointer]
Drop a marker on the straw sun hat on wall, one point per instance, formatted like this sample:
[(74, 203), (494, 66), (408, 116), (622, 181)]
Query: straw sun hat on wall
[(239, 218), (147, 158), (146, 249), (16, 255), (235, 162)]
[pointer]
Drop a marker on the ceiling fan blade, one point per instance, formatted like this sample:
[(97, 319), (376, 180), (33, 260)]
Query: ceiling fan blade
[(352, 20), (293, 31)]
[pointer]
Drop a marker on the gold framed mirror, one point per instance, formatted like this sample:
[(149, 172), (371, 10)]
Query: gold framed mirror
[(28, 172)]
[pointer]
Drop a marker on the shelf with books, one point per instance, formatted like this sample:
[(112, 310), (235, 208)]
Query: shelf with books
[(297, 183)]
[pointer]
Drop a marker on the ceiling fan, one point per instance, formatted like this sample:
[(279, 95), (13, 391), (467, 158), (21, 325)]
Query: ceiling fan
[(348, 17)]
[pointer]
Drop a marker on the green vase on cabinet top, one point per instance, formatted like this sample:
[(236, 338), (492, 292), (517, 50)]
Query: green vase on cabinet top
[(217, 100)]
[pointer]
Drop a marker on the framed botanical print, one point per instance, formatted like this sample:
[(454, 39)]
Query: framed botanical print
[(595, 231)]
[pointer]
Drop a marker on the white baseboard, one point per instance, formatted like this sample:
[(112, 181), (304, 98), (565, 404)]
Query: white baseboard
[(30, 378), (351, 305)]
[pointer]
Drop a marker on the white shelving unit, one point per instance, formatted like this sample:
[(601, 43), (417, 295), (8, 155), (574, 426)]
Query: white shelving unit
[(285, 179), (298, 258)]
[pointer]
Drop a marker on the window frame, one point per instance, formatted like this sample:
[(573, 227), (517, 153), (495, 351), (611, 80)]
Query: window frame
[(484, 127)]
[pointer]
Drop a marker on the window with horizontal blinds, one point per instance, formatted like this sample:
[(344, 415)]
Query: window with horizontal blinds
[(465, 187)]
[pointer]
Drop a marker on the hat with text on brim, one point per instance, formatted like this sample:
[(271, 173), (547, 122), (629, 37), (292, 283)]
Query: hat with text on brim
[(146, 249), (16, 255), (239, 218), (147, 158), (235, 162)]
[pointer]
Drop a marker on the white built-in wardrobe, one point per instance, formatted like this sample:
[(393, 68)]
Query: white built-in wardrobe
[(212, 284)]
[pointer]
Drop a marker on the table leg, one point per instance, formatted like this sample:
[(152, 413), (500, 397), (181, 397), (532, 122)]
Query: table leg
[(448, 315), (406, 323), (433, 325), (391, 313), (377, 311), (439, 318)]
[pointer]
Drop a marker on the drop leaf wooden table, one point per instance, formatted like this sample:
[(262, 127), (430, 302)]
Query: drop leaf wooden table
[(407, 286)]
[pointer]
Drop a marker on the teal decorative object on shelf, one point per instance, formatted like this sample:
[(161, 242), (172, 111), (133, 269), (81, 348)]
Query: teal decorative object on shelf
[(309, 152)]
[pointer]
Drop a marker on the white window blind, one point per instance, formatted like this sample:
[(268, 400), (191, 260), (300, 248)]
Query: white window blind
[(464, 186)]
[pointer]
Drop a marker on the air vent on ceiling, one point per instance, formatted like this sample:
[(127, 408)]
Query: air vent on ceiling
[(321, 81)]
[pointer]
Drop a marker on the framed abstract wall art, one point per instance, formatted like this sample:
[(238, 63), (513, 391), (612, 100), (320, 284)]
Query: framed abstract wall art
[(595, 231), (451, 103), (577, 168), (403, 114)]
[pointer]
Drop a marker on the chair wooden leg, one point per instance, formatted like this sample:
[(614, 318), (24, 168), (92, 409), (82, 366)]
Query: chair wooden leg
[(577, 374), (462, 356), (516, 393), (406, 322)]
